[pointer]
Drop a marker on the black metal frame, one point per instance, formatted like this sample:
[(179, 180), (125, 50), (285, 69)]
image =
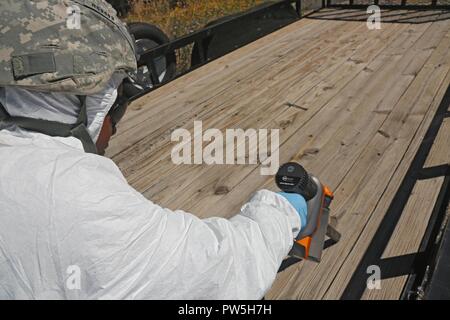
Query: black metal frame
[(412, 265), (415, 266), (438, 287), (200, 37), (403, 5), (408, 14)]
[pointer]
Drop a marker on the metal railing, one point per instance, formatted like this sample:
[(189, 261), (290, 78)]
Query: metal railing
[(203, 37), (390, 4)]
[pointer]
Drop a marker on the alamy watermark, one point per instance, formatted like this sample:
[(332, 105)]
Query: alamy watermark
[(374, 20), (73, 281), (73, 17), (236, 146), (374, 280)]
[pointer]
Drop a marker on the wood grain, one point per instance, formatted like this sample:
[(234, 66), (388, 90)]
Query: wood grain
[(352, 106)]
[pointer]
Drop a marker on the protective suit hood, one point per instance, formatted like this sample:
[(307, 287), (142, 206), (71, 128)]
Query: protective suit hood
[(61, 107)]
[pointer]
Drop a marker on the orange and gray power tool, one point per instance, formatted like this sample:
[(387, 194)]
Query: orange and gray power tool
[(309, 244)]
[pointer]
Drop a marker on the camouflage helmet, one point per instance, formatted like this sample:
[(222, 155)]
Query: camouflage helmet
[(70, 46)]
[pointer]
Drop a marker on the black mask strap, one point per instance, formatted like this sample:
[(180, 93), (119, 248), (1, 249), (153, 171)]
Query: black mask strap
[(56, 129)]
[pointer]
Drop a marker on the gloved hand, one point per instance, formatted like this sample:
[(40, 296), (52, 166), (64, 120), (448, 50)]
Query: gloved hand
[(299, 203)]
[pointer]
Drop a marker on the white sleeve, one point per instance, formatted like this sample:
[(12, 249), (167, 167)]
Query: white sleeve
[(130, 248)]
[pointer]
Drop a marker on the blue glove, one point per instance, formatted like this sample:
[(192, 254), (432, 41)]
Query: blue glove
[(299, 203)]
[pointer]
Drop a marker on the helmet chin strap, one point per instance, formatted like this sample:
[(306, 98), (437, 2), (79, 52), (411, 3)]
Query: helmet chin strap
[(56, 129)]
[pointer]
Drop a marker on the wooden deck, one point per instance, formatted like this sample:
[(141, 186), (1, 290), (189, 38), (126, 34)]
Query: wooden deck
[(360, 103)]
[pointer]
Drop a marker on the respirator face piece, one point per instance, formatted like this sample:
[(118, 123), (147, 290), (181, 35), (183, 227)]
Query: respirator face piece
[(118, 111)]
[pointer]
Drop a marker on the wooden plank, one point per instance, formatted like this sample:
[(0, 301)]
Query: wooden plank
[(440, 152), (227, 64), (160, 106), (359, 190), (179, 113), (414, 220), (320, 127), (427, 89), (406, 238), (295, 88), (352, 69), (255, 96), (224, 66), (352, 122)]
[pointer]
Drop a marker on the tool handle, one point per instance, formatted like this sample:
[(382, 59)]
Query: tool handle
[(314, 211), (293, 178)]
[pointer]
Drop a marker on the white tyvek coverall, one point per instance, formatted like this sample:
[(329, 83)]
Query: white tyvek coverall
[(63, 211)]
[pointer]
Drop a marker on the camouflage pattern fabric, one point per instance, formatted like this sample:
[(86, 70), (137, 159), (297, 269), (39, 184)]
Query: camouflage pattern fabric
[(62, 46)]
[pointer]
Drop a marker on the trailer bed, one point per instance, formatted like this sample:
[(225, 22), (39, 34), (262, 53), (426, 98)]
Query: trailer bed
[(353, 106)]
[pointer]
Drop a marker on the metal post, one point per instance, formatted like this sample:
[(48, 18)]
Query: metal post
[(298, 7), (154, 73), (201, 52)]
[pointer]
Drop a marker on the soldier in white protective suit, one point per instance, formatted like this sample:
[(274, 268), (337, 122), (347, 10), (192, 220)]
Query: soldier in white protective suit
[(66, 211)]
